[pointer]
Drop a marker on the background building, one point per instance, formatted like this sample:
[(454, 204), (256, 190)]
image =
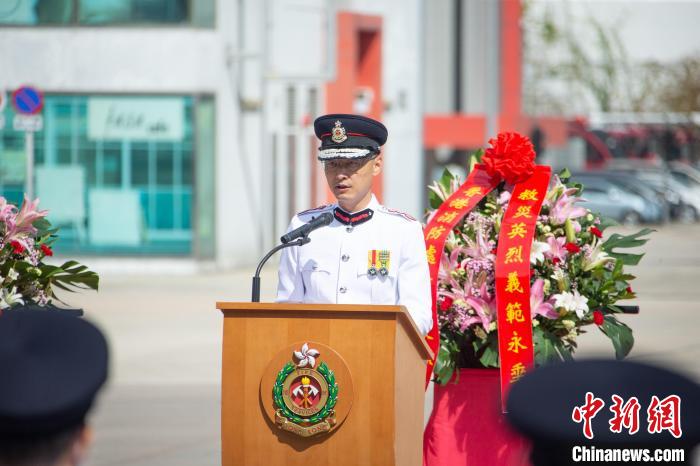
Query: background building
[(473, 84), (184, 128)]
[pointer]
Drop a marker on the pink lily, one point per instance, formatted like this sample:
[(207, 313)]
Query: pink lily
[(21, 224), (538, 306), (484, 305), (556, 248), (5, 209), (479, 248), (458, 292), (564, 208), (450, 263), (504, 198)]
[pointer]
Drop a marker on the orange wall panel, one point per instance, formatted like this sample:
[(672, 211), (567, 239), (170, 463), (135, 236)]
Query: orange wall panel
[(459, 131)]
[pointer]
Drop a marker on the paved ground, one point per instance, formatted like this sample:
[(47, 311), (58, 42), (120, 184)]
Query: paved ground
[(162, 403)]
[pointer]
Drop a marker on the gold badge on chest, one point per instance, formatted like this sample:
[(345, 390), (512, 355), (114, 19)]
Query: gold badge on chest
[(378, 262)]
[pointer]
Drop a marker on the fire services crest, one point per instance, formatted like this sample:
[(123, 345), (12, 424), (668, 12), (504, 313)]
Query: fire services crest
[(338, 133), (305, 394)]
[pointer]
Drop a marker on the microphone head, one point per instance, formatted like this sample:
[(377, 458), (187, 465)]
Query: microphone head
[(326, 218), (317, 222)]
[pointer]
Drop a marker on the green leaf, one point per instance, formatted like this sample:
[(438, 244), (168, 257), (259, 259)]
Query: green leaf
[(69, 264), (627, 259), (434, 200), (445, 363), (475, 158), (620, 335), (446, 180), (489, 355), (70, 276), (43, 227), (564, 174), (634, 240), (545, 347), (606, 222)]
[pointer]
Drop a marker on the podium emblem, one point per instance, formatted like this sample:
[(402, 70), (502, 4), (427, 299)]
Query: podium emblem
[(305, 394)]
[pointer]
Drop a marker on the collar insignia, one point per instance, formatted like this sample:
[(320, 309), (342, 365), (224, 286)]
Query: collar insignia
[(352, 219)]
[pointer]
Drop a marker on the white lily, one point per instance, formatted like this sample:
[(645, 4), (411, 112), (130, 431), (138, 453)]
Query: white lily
[(537, 251), (307, 356), (572, 302), (560, 277), (596, 258), (8, 298)]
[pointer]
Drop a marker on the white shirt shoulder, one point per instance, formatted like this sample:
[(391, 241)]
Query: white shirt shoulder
[(307, 215)]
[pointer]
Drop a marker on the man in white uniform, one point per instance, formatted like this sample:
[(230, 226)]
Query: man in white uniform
[(369, 254)]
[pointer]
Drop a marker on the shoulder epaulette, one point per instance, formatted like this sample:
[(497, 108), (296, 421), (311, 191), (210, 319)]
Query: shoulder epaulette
[(399, 213), (315, 209)]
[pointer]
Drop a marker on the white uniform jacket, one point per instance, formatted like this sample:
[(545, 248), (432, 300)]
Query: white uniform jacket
[(334, 266)]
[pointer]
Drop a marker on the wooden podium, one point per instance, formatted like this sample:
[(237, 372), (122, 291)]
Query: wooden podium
[(377, 356)]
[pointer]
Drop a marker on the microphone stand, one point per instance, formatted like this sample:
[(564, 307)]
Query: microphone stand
[(256, 279)]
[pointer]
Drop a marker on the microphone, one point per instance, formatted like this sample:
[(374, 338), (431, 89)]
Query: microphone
[(304, 230)]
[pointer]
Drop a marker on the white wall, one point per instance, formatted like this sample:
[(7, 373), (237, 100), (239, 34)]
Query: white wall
[(402, 92)]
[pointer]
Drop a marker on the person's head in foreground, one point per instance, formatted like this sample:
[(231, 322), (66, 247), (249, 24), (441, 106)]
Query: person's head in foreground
[(631, 407), (52, 367), (351, 156)]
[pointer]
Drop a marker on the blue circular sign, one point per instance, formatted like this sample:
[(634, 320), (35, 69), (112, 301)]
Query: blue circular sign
[(27, 100)]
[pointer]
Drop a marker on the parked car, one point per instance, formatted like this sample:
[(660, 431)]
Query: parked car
[(635, 185), (684, 202), (616, 202), (685, 174)]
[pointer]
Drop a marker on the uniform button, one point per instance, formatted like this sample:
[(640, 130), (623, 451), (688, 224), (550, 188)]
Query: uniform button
[(343, 289), (348, 229), (345, 257)]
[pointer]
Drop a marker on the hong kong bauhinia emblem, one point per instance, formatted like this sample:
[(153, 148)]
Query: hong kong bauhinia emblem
[(305, 394)]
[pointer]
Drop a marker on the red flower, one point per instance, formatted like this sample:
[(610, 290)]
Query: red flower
[(446, 303), (511, 157), (598, 317), (629, 289), (17, 247), (555, 260), (597, 232), (572, 248), (47, 250)]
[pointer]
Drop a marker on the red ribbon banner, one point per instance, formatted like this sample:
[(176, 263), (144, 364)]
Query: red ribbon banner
[(515, 345), (514, 321), (478, 184)]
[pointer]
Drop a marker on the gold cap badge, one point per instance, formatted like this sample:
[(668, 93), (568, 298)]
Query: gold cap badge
[(338, 134)]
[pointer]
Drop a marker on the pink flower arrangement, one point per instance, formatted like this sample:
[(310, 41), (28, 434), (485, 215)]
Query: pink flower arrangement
[(577, 276), (26, 238)]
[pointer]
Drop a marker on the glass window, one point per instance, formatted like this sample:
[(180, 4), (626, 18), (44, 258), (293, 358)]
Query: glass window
[(164, 164), (198, 13), (133, 11), (139, 164), (31, 12), (111, 164)]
